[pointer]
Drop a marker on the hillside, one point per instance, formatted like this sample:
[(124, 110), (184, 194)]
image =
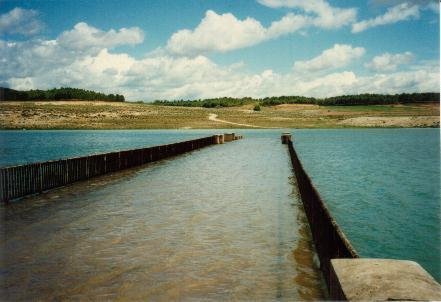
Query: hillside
[(126, 115)]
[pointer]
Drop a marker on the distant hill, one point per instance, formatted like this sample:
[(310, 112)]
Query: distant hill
[(343, 100), (56, 94)]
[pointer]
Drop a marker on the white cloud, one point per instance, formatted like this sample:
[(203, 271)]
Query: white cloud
[(432, 5), (325, 15), (84, 36), (21, 83), (399, 82), (389, 62), (400, 12), (20, 21), (288, 24), (338, 56), (217, 33), (23, 59), (46, 64), (224, 32)]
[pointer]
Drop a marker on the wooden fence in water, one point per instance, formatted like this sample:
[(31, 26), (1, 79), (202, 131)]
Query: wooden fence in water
[(329, 240), (19, 181)]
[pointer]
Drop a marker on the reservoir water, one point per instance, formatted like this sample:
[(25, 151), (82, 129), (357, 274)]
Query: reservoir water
[(21, 147), (383, 188), (221, 222)]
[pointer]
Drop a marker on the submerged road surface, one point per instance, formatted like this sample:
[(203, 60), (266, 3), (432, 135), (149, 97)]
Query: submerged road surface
[(220, 223)]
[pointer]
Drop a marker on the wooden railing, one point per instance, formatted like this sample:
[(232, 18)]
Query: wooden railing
[(329, 240), (19, 181)]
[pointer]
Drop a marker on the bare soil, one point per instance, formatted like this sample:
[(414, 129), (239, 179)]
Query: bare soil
[(105, 115)]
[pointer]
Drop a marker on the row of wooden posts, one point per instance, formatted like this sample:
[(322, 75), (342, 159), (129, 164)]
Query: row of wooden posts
[(330, 242), (347, 276), (19, 181)]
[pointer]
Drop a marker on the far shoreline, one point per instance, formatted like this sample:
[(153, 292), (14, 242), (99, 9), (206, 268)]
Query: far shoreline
[(92, 115)]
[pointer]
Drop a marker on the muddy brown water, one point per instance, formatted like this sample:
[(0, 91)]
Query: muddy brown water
[(221, 223)]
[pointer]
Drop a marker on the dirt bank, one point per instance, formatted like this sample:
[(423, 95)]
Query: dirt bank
[(105, 115)]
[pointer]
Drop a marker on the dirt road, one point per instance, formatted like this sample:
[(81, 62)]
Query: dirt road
[(213, 117)]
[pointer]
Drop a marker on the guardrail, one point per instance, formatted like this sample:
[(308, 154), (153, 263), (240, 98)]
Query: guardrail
[(329, 240), (19, 181)]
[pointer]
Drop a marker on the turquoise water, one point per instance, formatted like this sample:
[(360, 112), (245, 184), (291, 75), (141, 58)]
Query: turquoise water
[(381, 185), (22, 147)]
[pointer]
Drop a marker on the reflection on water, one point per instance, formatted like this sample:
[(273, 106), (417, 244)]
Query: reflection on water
[(220, 223)]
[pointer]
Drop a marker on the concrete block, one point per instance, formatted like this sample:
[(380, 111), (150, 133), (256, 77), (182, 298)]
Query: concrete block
[(381, 280)]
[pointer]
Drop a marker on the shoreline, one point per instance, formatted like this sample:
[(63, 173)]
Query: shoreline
[(196, 129), (119, 116)]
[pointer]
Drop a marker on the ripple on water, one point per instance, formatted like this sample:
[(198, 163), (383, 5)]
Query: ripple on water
[(219, 223)]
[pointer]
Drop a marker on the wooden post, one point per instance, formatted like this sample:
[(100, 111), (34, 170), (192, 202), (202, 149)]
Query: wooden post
[(19, 181), (286, 137), (216, 139), (228, 137)]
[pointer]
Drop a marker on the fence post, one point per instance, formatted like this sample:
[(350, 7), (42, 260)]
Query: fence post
[(35, 178), (328, 239), (40, 173), (6, 188)]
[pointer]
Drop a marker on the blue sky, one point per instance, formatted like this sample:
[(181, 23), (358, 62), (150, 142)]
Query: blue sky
[(196, 49)]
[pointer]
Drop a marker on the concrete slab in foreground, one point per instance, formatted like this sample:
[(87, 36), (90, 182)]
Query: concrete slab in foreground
[(381, 280)]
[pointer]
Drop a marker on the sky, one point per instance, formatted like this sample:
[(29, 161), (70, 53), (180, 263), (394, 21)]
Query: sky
[(191, 49)]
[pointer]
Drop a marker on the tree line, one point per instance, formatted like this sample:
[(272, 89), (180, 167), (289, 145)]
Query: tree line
[(208, 103), (63, 93), (66, 93), (343, 100)]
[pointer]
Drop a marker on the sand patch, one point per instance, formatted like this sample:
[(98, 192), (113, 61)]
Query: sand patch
[(295, 107), (279, 118), (392, 121)]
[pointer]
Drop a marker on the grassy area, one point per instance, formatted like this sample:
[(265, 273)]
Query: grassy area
[(102, 115), (314, 116)]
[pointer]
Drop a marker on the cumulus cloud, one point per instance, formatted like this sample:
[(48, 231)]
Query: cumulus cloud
[(400, 12), (338, 56), (20, 21), (419, 80), (35, 56), (288, 24), (217, 33), (325, 15), (50, 63), (389, 62), (84, 36), (224, 32)]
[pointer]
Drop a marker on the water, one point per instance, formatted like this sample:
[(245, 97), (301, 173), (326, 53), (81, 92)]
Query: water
[(383, 188), (381, 185), (23, 147), (220, 223)]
